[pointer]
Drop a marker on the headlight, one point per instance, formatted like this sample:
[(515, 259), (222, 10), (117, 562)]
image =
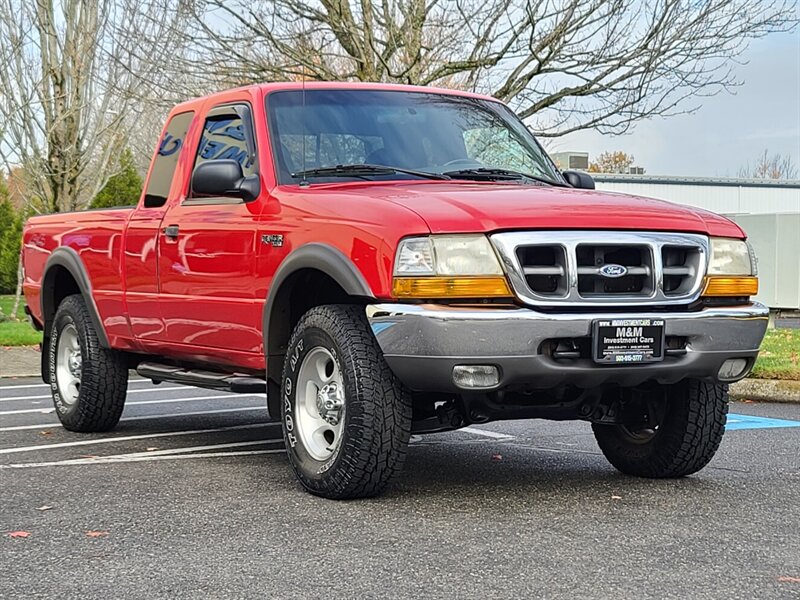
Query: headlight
[(730, 257), (447, 255), (448, 266), (415, 257), (731, 269)]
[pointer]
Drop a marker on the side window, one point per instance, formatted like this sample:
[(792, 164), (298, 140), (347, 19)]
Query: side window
[(226, 135), (169, 149)]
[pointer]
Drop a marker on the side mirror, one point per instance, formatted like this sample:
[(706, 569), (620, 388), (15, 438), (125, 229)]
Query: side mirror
[(224, 178), (579, 179)]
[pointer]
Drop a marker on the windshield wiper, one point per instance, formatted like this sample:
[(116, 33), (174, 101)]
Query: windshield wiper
[(492, 174), (363, 170)]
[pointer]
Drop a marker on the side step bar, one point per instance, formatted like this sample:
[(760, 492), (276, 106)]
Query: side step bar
[(229, 382)]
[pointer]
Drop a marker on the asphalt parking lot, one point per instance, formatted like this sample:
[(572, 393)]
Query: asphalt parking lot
[(192, 497)]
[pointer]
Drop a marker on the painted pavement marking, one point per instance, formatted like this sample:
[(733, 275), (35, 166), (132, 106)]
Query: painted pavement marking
[(126, 438), (164, 401), (737, 421), (148, 417)]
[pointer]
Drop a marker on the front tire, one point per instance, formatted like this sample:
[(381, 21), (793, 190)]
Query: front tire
[(89, 383), (346, 418), (688, 431)]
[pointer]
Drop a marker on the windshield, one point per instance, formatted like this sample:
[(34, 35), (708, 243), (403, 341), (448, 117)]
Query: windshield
[(415, 131)]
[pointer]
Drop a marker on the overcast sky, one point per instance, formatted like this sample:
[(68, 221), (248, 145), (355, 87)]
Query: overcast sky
[(729, 130)]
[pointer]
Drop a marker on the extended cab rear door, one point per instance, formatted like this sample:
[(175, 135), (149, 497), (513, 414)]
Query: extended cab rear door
[(140, 259), (207, 249)]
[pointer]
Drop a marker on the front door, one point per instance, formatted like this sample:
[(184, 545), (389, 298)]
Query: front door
[(208, 248)]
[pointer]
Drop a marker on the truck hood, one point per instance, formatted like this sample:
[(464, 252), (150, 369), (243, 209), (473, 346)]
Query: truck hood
[(472, 207)]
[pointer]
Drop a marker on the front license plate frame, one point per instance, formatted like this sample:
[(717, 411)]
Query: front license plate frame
[(628, 341)]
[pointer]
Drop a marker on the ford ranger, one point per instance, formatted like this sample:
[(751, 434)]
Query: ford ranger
[(386, 260)]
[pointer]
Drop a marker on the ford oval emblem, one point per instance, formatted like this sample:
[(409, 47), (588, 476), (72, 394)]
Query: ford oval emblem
[(613, 271)]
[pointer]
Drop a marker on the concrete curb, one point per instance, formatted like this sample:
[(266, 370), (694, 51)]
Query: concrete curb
[(25, 361), (766, 390), (20, 361)]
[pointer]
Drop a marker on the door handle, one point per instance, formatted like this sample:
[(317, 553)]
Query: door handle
[(171, 231)]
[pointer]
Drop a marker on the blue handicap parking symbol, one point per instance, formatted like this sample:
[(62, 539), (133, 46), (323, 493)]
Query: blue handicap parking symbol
[(737, 421)]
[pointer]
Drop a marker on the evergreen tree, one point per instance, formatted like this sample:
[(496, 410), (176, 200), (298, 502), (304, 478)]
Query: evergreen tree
[(122, 189), (10, 241)]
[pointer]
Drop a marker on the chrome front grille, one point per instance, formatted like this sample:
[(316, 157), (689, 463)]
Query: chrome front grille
[(545, 269), (680, 266), (638, 263), (584, 268)]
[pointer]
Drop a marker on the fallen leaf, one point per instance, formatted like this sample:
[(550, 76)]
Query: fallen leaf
[(18, 534), (45, 507), (497, 457), (45, 433), (96, 534), (787, 579), (616, 497)]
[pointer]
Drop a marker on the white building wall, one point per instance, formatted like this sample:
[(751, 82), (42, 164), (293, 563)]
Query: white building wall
[(776, 241), (768, 212), (724, 196)]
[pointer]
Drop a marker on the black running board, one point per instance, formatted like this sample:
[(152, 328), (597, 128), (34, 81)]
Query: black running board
[(229, 382)]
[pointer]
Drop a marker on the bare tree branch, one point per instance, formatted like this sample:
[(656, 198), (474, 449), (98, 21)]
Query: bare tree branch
[(766, 166), (74, 74), (563, 64)]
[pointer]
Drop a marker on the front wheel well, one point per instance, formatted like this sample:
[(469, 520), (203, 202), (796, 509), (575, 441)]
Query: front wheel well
[(298, 293)]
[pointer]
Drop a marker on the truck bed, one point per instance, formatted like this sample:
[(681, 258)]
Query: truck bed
[(92, 233)]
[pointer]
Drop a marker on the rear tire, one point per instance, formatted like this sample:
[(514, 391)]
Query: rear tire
[(89, 383), (346, 418), (688, 434)]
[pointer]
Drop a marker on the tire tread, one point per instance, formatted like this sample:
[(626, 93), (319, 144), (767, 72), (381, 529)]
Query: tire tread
[(687, 441), (104, 375), (378, 434)]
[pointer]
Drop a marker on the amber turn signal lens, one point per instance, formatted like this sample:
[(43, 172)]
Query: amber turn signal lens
[(731, 286), (451, 287)]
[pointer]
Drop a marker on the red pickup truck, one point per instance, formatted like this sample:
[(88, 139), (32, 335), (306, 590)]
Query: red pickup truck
[(385, 260)]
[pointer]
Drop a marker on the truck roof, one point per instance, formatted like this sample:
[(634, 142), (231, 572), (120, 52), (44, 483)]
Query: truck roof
[(267, 88)]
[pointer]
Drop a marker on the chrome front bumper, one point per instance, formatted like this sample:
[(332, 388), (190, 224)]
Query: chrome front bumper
[(422, 344)]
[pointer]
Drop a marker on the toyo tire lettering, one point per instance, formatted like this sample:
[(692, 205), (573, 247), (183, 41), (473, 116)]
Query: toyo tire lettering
[(346, 418)]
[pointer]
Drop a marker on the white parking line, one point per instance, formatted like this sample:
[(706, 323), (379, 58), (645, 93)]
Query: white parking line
[(225, 397), (126, 438), (23, 387), (43, 411), (164, 401), (485, 433), (44, 385), (104, 460), (170, 451), (48, 396), (147, 417), (197, 451)]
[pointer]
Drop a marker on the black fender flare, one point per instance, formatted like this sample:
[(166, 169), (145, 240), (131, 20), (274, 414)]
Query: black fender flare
[(69, 259), (320, 257)]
